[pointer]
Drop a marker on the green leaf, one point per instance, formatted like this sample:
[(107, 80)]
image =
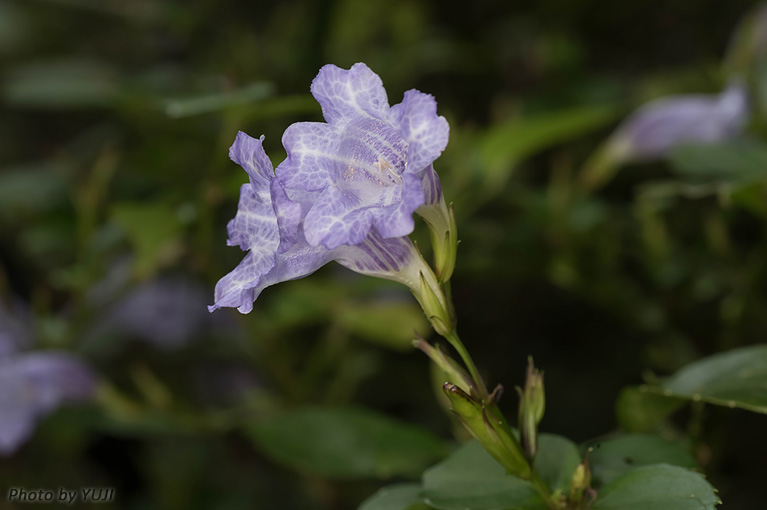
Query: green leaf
[(472, 478), (405, 496), (347, 443), (711, 169), (209, 103), (639, 410), (14, 27), (29, 189), (556, 461), (62, 84), (391, 324), (658, 486), (736, 378), (738, 163), (153, 229), (507, 144), (612, 458)]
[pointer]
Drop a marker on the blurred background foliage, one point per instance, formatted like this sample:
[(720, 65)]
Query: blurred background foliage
[(115, 189)]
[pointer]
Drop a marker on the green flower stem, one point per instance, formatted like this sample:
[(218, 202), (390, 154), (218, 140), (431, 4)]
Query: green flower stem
[(452, 337), (455, 341), (478, 411), (539, 485)]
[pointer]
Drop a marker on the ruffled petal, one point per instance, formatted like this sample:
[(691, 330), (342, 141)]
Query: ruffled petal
[(311, 163), (254, 227), (426, 132), (289, 216), (299, 261), (345, 95), (396, 220), (248, 152), (336, 218), (238, 288)]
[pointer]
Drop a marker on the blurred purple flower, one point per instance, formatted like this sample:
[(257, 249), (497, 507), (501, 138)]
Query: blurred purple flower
[(656, 128), (35, 384), (166, 312), (226, 383), (346, 192)]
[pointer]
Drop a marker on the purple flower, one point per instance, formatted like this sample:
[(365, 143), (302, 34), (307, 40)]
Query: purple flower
[(657, 127), (166, 312), (365, 166), (346, 192), (33, 385)]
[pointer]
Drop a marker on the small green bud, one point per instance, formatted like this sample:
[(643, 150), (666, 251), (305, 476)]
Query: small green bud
[(488, 427), (432, 300), (581, 481), (532, 403), (443, 232)]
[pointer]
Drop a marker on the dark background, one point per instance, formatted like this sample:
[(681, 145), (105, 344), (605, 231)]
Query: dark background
[(115, 119)]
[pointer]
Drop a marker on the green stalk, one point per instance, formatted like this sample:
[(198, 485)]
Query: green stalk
[(455, 341)]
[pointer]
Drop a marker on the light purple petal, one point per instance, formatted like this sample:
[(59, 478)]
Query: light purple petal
[(363, 150), (337, 218), (396, 220), (426, 132), (300, 261), (289, 215), (659, 126), (248, 152), (377, 255), (254, 225), (312, 162), (432, 187), (368, 164), (254, 228), (345, 95), (237, 289)]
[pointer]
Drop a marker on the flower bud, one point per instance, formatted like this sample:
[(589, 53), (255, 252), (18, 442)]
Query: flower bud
[(532, 403), (432, 300), (581, 481), (488, 427), (442, 229)]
